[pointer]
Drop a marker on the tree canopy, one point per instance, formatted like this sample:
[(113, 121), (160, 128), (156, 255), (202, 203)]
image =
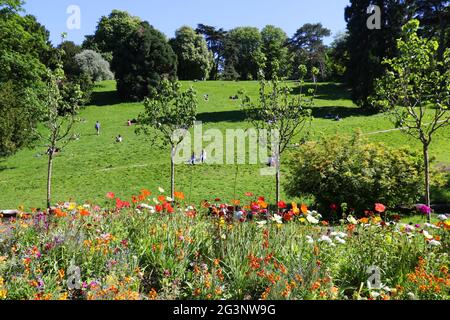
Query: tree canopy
[(143, 59), (194, 59)]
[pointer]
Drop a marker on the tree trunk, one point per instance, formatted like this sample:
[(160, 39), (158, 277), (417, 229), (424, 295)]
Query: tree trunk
[(172, 173), (427, 178), (49, 178), (278, 179)]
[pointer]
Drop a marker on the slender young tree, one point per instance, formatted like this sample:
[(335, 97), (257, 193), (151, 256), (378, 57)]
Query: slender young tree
[(280, 112), (416, 91), (168, 115), (62, 105)]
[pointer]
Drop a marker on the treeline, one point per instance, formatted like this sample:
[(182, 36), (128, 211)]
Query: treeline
[(139, 56)]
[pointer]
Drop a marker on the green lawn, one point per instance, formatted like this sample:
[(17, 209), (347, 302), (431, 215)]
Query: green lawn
[(89, 168)]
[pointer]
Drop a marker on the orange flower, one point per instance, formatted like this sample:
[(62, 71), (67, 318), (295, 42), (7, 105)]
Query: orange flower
[(145, 193), (161, 198), (304, 209), (179, 195), (364, 220), (59, 213), (236, 202), (84, 213)]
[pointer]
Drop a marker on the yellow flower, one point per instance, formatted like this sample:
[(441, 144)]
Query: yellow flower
[(3, 293), (295, 209), (72, 206)]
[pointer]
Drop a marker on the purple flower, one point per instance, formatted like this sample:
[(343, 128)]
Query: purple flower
[(424, 209)]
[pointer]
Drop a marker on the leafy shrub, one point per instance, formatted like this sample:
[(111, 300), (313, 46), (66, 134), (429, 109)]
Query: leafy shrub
[(351, 171), (93, 64)]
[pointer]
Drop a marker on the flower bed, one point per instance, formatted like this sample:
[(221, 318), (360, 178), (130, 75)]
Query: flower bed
[(154, 247)]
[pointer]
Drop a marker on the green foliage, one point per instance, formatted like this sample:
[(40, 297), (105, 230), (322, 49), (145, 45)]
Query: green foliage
[(367, 48), (70, 49), (242, 49), (194, 59), (337, 58), (143, 60), (111, 31), (18, 109), (338, 170), (274, 48), (215, 38), (168, 115), (416, 90), (169, 109), (308, 48), (24, 48), (281, 113)]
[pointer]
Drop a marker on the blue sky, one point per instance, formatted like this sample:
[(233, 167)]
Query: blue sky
[(169, 15)]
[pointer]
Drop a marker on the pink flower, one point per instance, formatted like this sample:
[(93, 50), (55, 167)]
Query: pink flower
[(380, 208), (424, 209)]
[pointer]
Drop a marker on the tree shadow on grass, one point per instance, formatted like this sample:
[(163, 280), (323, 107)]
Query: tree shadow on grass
[(326, 91), (330, 112), (4, 168), (222, 116), (105, 98)]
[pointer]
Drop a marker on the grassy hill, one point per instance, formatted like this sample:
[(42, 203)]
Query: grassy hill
[(89, 168)]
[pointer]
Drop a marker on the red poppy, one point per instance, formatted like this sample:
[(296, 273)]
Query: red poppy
[(168, 208), (261, 199), (288, 216), (380, 208), (249, 194), (282, 205), (159, 208), (334, 207), (110, 195)]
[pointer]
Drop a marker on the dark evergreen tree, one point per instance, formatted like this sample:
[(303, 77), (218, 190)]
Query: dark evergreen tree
[(368, 47), (143, 59)]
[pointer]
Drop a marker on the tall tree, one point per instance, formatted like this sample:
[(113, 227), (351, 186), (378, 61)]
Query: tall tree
[(367, 48), (280, 112), (274, 48), (242, 51), (194, 59), (215, 39), (168, 115), (143, 59), (416, 91), (434, 16), (338, 57), (111, 31), (308, 47), (24, 51)]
